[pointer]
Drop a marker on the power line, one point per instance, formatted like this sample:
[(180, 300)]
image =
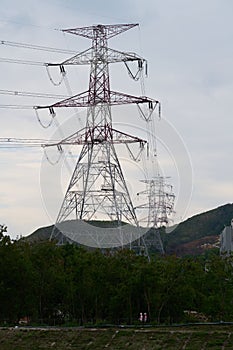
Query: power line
[(7, 20), (17, 140), (30, 94), (17, 107), (11, 142), (17, 61), (36, 47)]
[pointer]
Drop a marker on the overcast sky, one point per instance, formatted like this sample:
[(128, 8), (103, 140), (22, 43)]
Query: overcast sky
[(188, 45)]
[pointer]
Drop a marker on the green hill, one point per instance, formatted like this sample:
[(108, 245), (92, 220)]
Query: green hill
[(192, 236), (200, 230), (40, 235)]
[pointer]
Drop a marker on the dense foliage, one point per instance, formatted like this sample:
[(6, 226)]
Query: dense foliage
[(61, 284)]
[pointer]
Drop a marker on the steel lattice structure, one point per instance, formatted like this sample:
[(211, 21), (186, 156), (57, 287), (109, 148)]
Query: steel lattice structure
[(159, 205), (160, 201), (97, 185)]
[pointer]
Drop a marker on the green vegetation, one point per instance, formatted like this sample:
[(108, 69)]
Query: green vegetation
[(67, 285), (210, 223)]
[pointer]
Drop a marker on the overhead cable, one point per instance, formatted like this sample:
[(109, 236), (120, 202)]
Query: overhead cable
[(36, 47), (17, 61), (11, 142), (30, 94), (17, 107)]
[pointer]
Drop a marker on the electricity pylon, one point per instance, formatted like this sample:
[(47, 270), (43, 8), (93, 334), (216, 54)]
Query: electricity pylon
[(159, 205), (97, 186)]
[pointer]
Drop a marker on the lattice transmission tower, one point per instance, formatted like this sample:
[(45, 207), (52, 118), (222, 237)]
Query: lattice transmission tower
[(97, 187), (159, 204)]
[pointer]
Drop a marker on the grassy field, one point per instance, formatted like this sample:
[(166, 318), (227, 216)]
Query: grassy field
[(187, 338)]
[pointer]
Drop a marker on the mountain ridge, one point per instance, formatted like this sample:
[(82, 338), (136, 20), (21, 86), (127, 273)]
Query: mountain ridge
[(194, 229), (192, 236)]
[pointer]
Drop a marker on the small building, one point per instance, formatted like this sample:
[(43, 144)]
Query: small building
[(226, 240)]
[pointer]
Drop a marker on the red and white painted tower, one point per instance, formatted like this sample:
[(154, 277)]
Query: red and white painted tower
[(97, 187)]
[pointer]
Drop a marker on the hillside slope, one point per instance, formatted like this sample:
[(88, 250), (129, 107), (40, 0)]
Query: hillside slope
[(199, 232), (192, 236)]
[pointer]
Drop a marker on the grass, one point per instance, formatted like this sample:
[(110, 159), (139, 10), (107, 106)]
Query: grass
[(187, 338)]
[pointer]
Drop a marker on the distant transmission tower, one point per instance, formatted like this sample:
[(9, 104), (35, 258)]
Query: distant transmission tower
[(97, 187), (160, 201), (159, 204)]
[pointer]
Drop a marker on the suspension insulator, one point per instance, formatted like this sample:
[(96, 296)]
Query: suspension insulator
[(146, 69), (142, 144), (62, 70), (140, 64), (159, 110), (52, 112), (150, 105), (59, 147)]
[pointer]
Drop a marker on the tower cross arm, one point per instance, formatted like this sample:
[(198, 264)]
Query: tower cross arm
[(112, 98), (82, 58), (108, 31), (120, 56), (79, 100), (97, 135), (118, 98), (111, 56)]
